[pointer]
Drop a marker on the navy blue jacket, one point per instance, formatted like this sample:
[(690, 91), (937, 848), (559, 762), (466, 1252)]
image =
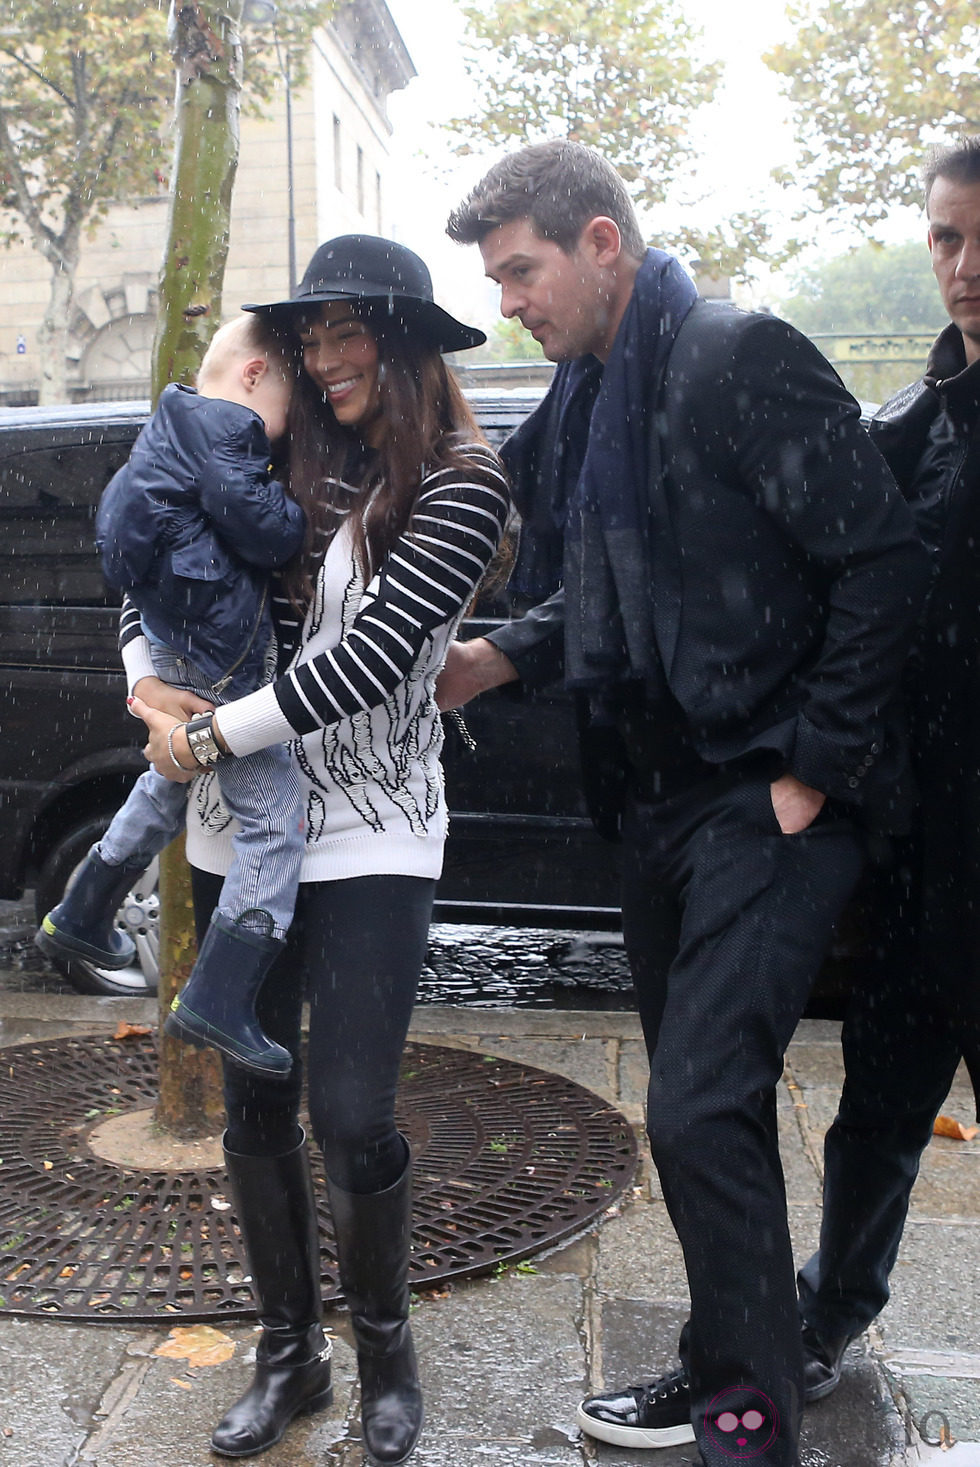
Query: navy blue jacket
[(786, 567), (190, 527)]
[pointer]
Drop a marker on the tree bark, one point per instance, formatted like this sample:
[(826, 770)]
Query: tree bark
[(207, 57), (52, 335), (189, 1103)]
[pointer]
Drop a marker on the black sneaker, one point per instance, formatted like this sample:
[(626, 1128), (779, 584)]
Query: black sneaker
[(657, 1414)]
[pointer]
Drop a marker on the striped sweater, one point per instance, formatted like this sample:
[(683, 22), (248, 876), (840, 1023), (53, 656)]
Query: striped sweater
[(360, 690)]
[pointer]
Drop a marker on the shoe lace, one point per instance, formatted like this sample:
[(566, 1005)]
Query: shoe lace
[(666, 1385)]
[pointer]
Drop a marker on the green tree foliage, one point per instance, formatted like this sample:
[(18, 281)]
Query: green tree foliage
[(872, 83), (86, 88), (621, 77), (870, 290), (625, 78), (82, 93), (882, 293), (507, 341)]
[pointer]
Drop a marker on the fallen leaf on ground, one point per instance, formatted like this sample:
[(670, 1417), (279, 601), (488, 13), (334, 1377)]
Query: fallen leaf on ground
[(955, 1130), (198, 1345), (130, 1031)]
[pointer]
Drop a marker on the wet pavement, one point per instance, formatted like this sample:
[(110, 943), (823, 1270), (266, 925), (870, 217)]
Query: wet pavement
[(482, 966), (504, 1360)]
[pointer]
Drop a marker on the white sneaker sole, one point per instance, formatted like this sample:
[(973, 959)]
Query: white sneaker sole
[(634, 1436)]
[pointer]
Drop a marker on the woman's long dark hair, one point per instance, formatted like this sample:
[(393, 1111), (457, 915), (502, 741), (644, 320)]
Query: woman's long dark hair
[(425, 421)]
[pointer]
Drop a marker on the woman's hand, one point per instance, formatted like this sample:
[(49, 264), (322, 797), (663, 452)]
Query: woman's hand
[(156, 749), (179, 703)]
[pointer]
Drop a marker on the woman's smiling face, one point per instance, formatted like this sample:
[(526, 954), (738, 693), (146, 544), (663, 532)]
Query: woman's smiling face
[(340, 354)]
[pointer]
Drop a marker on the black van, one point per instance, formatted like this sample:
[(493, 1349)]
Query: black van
[(521, 848)]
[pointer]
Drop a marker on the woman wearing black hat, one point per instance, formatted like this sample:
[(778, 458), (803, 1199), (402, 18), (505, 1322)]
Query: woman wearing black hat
[(406, 507)]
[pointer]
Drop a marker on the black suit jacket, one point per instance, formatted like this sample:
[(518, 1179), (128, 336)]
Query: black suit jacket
[(787, 571)]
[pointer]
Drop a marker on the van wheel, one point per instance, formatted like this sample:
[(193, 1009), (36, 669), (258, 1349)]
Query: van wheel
[(138, 917)]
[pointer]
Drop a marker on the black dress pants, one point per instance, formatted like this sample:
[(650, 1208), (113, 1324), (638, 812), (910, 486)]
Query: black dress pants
[(726, 922), (900, 1056)]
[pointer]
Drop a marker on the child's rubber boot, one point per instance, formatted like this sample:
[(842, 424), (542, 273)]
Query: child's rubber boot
[(81, 925), (216, 1006)]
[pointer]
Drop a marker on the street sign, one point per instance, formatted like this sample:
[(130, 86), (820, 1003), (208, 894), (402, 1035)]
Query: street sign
[(894, 347)]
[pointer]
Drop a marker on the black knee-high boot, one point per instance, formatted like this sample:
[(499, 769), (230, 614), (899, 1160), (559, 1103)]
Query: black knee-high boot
[(275, 1207), (373, 1232)]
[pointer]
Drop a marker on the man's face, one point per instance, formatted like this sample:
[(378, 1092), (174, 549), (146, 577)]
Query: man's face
[(561, 299), (954, 242)]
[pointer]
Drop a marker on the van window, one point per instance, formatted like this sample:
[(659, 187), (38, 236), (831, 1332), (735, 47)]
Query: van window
[(48, 500)]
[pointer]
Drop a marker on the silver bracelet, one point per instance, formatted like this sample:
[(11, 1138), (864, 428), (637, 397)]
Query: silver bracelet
[(201, 741), (170, 746)]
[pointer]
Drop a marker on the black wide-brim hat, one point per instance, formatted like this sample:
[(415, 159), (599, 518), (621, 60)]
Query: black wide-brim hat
[(391, 277)]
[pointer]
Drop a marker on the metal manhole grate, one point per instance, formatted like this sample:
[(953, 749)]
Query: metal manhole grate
[(508, 1160)]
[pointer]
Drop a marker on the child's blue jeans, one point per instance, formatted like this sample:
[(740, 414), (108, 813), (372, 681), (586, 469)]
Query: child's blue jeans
[(261, 791)]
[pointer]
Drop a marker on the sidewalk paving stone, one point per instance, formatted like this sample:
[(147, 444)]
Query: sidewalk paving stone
[(505, 1360)]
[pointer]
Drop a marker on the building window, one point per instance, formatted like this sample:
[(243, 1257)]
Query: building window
[(377, 203), (337, 174), (360, 180)]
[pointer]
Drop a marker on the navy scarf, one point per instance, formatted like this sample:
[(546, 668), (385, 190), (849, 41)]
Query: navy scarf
[(583, 464), (609, 631)]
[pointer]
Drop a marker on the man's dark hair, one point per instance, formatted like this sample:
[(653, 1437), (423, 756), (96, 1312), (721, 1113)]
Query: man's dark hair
[(559, 186), (959, 162)]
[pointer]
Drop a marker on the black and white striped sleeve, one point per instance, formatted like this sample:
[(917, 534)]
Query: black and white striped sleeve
[(133, 646), (129, 623), (426, 580)]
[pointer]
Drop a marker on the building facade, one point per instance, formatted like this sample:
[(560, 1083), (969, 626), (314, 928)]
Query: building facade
[(319, 158)]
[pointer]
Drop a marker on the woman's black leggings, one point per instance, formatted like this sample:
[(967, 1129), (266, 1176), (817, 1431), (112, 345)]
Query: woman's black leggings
[(355, 949)]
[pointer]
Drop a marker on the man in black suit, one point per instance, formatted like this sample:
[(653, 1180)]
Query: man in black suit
[(917, 1010), (738, 581)]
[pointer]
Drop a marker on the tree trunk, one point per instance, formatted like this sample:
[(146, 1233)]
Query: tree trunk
[(207, 57), (52, 336), (190, 1103)]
